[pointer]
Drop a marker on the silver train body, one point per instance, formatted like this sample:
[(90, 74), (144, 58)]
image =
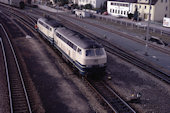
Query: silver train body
[(16, 3), (86, 55)]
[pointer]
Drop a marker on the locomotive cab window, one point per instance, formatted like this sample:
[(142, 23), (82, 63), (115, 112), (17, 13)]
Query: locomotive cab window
[(79, 51), (90, 52), (99, 51)]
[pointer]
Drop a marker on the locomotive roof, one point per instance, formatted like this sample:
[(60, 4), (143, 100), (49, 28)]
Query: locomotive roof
[(51, 22), (78, 39)]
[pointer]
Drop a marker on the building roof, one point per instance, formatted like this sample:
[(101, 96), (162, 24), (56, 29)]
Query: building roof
[(129, 1), (154, 2), (135, 1), (51, 22)]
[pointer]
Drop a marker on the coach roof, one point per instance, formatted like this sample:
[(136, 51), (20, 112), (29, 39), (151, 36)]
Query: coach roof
[(78, 39), (51, 22)]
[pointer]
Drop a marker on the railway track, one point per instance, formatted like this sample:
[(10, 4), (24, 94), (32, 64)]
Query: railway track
[(18, 97), (113, 102), (164, 50), (20, 16), (123, 54), (113, 49)]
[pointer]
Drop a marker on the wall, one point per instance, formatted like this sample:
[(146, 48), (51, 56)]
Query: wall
[(94, 3), (160, 10), (118, 10), (143, 9)]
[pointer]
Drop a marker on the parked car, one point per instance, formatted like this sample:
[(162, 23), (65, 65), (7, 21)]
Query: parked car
[(105, 13), (157, 40)]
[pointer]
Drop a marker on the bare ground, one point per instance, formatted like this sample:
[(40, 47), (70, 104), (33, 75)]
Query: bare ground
[(128, 80), (58, 91)]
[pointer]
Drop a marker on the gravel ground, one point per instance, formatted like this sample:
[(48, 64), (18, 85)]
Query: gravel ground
[(4, 102), (58, 91), (128, 80)]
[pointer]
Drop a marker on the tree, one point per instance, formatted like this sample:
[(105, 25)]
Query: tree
[(75, 6), (82, 7), (136, 14), (88, 6), (130, 15), (62, 2), (105, 5)]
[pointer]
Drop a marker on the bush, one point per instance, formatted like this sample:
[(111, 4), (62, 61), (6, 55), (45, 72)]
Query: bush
[(130, 15), (88, 6)]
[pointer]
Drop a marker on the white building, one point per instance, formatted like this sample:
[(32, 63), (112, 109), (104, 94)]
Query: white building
[(75, 1), (120, 8), (94, 3)]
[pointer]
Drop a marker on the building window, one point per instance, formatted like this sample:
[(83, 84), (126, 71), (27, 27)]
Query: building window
[(121, 12), (118, 11), (113, 10), (110, 10), (145, 7), (140, 6), (166, 8), (145, 16), (124, 12), (165, 15)]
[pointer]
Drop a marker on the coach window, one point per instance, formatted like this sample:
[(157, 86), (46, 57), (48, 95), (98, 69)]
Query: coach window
[(79, 51), (47, 27), (74, 47)]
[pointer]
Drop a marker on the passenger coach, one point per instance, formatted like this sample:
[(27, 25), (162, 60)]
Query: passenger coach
[(85, 54)]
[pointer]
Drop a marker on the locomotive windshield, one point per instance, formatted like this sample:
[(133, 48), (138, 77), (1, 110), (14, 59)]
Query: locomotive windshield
[(94, 52)]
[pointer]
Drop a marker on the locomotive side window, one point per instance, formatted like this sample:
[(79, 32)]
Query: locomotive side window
[(67, 41), (40, 22), (74, 47), (79, 51)]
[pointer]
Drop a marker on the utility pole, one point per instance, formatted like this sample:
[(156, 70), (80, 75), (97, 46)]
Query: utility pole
[(147, 32)]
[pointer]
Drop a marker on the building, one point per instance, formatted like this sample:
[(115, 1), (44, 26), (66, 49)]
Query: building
[(75, 1), (94, 3), (159, 8), (120, 8)]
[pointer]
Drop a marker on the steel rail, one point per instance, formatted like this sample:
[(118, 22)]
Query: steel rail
[(118, 106), (110, 106), (119, 97), (7, 73), (18, 68), (21, 18)]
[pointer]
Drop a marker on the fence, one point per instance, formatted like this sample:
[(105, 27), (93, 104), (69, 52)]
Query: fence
[(134, 25)]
